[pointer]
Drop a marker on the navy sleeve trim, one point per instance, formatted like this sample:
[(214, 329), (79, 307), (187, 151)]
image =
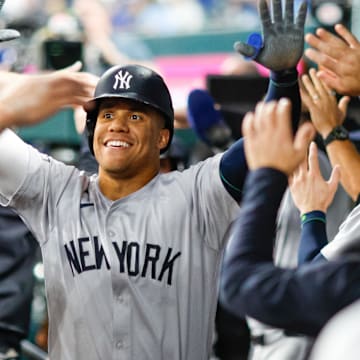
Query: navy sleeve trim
[(315, 215)]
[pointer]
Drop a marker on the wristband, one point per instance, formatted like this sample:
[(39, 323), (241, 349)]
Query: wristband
[(315, 215)]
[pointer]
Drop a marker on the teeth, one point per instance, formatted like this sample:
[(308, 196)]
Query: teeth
[(117, 143)]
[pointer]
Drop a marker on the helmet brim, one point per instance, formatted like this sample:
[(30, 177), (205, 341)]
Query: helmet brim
[(8, 34), (92, 104)]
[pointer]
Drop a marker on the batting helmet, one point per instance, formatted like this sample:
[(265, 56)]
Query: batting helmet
[(7, 34), (132, 82)]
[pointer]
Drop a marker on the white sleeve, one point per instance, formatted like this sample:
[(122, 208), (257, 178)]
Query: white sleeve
[(14, 163), (347, 240)]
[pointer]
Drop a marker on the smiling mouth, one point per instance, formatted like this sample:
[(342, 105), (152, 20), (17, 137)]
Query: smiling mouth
[(117, 144)]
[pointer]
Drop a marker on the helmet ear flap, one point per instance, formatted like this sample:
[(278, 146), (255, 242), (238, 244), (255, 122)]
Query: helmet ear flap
[(90, 128)]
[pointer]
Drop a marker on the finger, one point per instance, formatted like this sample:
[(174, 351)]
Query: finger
[(303, 137), (247, 126), (319, 88), (334, 180), (301, 169), (264, 15), (321, 59), (75, 67), (258, 115), (267, 115), (289, 12), (309, 86), (244, 49), (330, 44), (330, 79), (301, 16), (306, 99), (346, 35), (313, 159), (305, 96), (326, 43), (283, 115), (343, 105), (326, 87), (277, 11)]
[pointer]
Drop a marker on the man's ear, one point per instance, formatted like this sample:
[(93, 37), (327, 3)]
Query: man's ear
[(164, 137)]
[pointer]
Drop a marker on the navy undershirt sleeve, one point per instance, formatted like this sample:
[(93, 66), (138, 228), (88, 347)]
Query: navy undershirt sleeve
[(284, 84), (313, 236), (233, 166)]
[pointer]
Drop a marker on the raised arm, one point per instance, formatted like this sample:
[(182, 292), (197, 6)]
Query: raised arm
[(328, 116), (279, 48), (27, 100), (312, 195)]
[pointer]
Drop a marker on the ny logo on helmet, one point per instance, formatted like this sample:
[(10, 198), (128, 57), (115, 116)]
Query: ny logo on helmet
[(122, 81)]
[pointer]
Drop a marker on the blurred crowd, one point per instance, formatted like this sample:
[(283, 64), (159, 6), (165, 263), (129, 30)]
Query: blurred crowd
[(94, 22)]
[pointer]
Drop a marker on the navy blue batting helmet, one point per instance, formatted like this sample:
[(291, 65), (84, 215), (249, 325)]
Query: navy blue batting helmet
[(133, 82)]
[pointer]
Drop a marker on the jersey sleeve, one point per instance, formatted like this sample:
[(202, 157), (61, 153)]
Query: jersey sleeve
[(347, 240), (214, 208), (32, 184), (15, 162)]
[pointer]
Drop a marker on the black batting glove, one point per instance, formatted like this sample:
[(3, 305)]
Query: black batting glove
[(281, 45)]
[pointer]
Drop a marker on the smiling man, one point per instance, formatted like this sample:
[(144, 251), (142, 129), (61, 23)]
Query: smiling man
[(132, 255)]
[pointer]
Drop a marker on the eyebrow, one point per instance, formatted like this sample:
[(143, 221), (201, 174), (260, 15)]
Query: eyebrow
[(131, 106)]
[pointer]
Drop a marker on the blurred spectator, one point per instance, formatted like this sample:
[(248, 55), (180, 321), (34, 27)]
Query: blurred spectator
[(106, 46), (169, 17), (19, 251)]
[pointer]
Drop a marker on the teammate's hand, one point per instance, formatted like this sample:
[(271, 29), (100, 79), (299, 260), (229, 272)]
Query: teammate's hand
[(282, 42), (325, 111), (338, 58), (269, 140), (308, 188), (30, 99)]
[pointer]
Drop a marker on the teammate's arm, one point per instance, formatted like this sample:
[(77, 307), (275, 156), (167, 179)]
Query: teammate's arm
[(30, 99), (300, 300), (279, 49), (312, 195), (27, 100), (326, 114)]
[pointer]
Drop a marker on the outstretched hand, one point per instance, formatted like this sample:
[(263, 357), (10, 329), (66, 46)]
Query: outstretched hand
[(269, 140), (325, 110), (308, 188), (282, 44), (30, 99), (338, 58)]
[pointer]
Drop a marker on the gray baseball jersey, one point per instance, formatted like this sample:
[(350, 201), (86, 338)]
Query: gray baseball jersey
[(134, 278), (347, 240)]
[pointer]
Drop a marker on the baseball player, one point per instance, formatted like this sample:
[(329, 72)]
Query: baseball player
[(132, 256), (327, 114), (299, 300)]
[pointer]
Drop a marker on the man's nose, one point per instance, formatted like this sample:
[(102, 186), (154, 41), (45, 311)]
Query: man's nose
[(120, 123)]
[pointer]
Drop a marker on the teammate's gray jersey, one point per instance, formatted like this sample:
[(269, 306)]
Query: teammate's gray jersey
[(347, 241), (131, 279)]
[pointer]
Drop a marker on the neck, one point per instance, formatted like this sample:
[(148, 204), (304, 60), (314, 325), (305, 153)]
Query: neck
[(115, 187)]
